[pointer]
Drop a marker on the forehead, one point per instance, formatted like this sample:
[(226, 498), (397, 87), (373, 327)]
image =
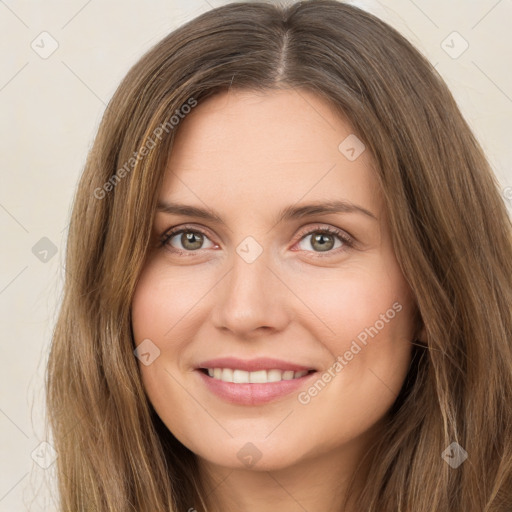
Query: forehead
[(253, 149)]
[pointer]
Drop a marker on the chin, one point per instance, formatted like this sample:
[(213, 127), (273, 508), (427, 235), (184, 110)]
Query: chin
[(251, 456)]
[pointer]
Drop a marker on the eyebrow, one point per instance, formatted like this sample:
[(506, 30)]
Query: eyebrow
[(288, 213)]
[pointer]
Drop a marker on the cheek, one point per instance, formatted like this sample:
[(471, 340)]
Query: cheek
[(160, 301), (163, 297), (370, 315), (361, 303)]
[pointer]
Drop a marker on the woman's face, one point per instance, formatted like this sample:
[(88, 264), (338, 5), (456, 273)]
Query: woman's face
[(266, 291)]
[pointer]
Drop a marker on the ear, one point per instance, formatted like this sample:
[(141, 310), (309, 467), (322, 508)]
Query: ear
[(422, 334)]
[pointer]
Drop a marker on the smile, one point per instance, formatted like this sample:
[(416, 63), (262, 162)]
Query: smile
[(252, 382)]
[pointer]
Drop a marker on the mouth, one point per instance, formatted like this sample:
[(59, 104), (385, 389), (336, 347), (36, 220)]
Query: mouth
[(253, 382)]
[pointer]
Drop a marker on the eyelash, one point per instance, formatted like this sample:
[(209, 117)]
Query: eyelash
[(348, 241)]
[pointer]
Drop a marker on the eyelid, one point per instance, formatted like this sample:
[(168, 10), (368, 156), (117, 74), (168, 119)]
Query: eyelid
[(172, 232), (341, 233), (347, 239)]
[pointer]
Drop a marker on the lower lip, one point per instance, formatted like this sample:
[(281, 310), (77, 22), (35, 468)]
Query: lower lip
[(252, 394)]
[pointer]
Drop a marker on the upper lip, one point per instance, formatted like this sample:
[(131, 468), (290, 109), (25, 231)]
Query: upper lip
[(250, 365)]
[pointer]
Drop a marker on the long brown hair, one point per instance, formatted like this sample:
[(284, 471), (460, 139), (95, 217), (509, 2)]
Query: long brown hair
[(450, 229)]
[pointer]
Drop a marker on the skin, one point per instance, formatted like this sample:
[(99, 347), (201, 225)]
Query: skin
[(247, 155)]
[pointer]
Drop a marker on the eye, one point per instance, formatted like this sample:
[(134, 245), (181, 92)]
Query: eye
[(190, 239), (323, 240)]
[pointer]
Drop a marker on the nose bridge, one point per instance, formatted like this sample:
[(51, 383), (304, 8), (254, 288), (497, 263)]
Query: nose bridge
[(250, 296)]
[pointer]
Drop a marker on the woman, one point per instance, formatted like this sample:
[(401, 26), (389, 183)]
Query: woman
[(289, 281)]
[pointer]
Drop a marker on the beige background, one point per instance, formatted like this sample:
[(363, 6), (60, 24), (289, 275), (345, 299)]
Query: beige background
[(51, 106)]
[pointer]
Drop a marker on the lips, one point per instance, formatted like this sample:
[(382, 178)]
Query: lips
[(252, 382)]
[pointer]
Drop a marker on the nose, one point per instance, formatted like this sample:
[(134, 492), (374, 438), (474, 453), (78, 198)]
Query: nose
[(251, 300)]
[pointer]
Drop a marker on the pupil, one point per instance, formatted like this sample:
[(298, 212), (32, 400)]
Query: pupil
[(324, 246), (189, 238)]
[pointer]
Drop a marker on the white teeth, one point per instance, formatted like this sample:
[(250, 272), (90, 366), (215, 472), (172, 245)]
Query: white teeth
[(240, 376), (226, 375), (256, 377), (274, 375), (259, 377)]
